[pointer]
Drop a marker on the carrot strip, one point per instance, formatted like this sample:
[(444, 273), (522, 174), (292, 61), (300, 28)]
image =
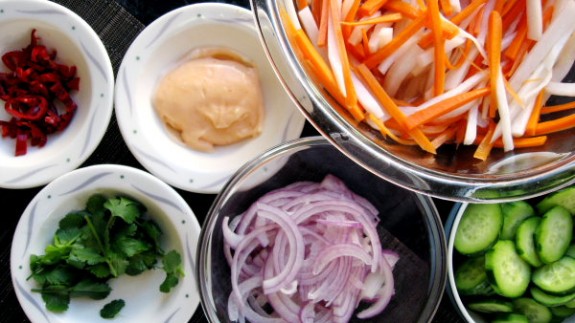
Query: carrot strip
[(316, 10), (376, 58), (322, 34), (392, 17), (436, 110), (365, 42), (558, 108), (350, 17), (494, 35), (510, 5), (484, 148), (301, 4), (386, 101), (388, 133), (444, 137), (446, 7), (534, 117), (369, 7), (438, 48), (556, 125), (525, 142), (404, 8)]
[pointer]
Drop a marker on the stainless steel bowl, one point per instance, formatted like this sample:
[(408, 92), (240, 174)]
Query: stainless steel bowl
[(451, 174)]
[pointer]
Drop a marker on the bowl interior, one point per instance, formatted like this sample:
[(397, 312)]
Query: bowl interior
[(452, 173), (409, 225)]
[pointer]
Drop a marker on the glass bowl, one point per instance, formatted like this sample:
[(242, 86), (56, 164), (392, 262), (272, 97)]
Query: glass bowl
[(410, 225), (451, 174)]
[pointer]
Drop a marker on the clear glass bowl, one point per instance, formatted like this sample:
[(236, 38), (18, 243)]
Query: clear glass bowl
[(409, 219), (452, 174)]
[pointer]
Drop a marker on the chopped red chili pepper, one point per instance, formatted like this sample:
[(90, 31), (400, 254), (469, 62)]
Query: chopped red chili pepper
[(36, 92)]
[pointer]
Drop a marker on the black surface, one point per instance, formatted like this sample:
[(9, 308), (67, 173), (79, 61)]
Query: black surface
[(103, 14)]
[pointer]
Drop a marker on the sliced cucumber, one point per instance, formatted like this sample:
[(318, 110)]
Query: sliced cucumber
[(471, 279), (491, 306), (535, 312), (562, 311), (508, 273), (511, 318), (564, 198), (570, 251), (571, 304), (513, 215), (549, 299), (525, 241), (553, 235), (557, 277), (478, 229)]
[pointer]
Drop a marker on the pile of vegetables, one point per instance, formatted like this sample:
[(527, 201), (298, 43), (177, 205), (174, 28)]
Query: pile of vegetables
[(435, 72), (109, 238), (36, 91), (519, 259), (310, 252)]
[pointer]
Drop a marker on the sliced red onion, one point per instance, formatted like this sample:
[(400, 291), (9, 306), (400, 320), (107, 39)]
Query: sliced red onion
[(315, 253)]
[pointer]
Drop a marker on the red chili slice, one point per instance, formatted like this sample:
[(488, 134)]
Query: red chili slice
[(31, 90)]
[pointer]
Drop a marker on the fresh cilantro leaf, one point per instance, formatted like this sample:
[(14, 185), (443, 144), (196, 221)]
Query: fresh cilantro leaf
[(86, 255), (73, 220), (60, 275), (101, 270), (110, 310), (117, 263), (122, 207), (91, 289), (66, 237), (56, 298), (153, 231), (169, 282), (95, 204), (172, 262), (141, 262), (54, 254), (173, 267), (130, 247)]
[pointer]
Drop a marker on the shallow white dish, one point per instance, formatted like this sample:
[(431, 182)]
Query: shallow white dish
[(77, 44), (144, 301), (159, 48)]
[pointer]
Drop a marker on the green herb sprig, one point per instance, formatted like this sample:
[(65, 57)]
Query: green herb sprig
[(109, 238)]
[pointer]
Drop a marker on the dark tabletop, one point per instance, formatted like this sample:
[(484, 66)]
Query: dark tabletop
[(127, 18)]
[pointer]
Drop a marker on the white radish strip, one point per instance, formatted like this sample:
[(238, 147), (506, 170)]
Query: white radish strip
[(466, 86), (565, 60), (471, 126), (380, 37), (292, 13), (560, 26), (400, 70), (335, 57), (410, 44), (462, 33), (488, 8), (426, 58), (455, 77), (345, 7), (367, 100), (356, 35), (534, 19), (309, 25), (561, 89), (456, 5), (504, 114)]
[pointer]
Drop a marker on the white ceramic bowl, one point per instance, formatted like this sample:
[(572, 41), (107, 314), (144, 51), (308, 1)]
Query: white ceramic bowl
[(144, 301), (162, 46), (76, 44)]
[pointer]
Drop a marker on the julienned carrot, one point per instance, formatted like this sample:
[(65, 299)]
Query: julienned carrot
[(375, 49), (369, 7), (386, 101), (322, 35), (444, 107), (438, 48), (558, 108)]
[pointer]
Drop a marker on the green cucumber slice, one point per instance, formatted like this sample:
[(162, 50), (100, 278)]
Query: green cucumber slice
[(525, 241), (564, 198), (509, 274), (478, 228), (557, 277), (511, 318), (513, 215), (535, 312), (549, 299), (491, 306), (553, 235), (470, 277)]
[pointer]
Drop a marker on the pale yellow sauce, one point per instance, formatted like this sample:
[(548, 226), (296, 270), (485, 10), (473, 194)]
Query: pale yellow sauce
[(213, 99)]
